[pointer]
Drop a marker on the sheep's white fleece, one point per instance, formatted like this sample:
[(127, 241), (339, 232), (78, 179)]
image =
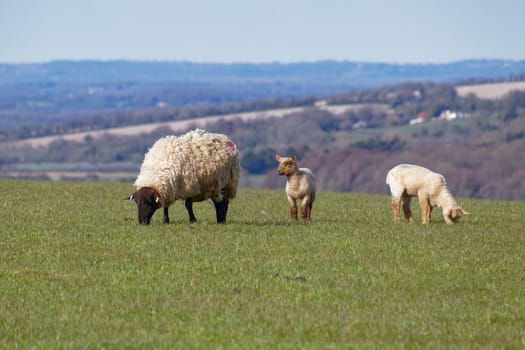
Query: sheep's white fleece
[(197, 165)]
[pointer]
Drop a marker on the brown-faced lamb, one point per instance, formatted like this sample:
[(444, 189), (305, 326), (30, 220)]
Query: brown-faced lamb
[(195, 167), (300, 185), (408, 180)]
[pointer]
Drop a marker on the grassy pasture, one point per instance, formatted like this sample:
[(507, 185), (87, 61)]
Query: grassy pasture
[(77, 271)]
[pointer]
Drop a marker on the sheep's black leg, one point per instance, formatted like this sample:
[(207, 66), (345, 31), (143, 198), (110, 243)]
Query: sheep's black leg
[(225, 203), (219, 211), (189, 207), (165, 217), (221, 208)]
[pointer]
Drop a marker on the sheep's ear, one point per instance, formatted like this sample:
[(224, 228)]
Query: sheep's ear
[(277, 157), (131, 197), (293, 158)]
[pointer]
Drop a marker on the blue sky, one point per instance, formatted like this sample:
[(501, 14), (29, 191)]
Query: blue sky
[(404, 31)]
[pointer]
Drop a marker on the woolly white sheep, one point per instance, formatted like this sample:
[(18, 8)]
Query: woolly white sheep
[(300, 185), (407, 181), (196, 166)]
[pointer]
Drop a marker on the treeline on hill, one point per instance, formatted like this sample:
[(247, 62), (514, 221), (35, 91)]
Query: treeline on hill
[(480, 155)]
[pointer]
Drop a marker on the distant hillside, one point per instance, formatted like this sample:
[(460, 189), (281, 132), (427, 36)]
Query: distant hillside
[(56, 92), (483, 91), (357, 74)]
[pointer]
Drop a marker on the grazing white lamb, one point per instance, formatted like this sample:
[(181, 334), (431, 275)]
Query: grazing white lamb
[(300, 185), (196, 166), (407, 181)]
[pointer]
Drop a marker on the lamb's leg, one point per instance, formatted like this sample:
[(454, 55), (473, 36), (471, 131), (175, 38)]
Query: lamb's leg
[(293, 208), (425, 209), (165, 216), (304, 209), (188, 203), (395, 208), (309, 209), (406, 208)]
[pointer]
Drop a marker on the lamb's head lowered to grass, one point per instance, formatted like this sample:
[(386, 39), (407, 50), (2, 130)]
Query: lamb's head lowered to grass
[(408, 180)]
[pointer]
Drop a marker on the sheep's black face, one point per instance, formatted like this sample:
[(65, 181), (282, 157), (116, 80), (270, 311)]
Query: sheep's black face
[(148, 201)]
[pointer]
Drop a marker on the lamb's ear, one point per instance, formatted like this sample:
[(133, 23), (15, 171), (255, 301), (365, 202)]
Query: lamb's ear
[(131, 197), (277, 157), (463, 211)]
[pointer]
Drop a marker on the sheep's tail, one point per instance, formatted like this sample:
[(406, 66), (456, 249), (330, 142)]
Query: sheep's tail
[(233, 159), (234, 176)]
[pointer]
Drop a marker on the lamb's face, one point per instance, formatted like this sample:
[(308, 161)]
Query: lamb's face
[(287, 165), (148, 201), (455, 214)]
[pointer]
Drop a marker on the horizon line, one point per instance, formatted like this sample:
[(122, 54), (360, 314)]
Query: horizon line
[(276, 62)]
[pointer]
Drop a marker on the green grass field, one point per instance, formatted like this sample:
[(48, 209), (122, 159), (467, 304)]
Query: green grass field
[(77, 271)]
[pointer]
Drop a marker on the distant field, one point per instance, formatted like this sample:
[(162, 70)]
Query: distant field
[(490, 91), (183, 124), (77, 271)]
